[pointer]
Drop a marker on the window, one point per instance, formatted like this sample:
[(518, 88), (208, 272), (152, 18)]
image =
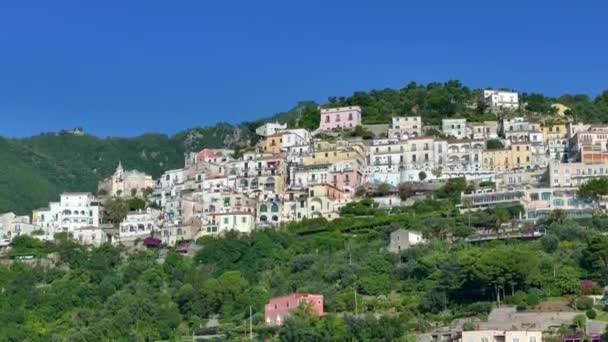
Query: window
[(225, 220), (533, 338), (350, 116), (515, 339)]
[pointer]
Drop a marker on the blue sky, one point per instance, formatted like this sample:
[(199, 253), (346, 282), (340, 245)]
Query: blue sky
[(129, 67)]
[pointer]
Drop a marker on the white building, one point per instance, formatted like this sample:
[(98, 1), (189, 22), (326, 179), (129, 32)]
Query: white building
[(518, 129), (270, 128), (405, 127), (138, 225), (501, 100), (464, 155), (168, 192), (501, 336), (483, 130), (395, 161), (574, 174), (456, 128), (296, 141), (402, 239), (12, 225), (90, 235), (74, 210), (218, 223)]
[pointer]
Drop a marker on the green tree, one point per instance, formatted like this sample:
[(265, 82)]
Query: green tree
[(422, 176), (116, 210), (500, 215), (384, 188), (550, 243), (594, 189), (595, 257), (494, 144)]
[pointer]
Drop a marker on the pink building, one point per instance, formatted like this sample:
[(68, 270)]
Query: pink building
[(340, 118), (205, 155), (278, 309)]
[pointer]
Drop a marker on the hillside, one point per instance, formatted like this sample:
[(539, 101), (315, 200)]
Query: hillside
[(36, 169), (94, 294)]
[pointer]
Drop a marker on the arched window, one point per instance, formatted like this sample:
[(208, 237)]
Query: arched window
[(263, 208), (275, 208)]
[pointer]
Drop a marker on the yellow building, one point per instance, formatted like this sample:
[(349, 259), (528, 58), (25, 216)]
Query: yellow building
[(515, 156), (272, 143), (330, 153), (554, 132), (497, 160)]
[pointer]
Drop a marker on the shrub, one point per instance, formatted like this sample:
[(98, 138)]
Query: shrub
[(591, 314), (469, 326), (584, 303), (589, 287), (521, 307), (518, 298), (486, 184), (532, 299), (481, 307)]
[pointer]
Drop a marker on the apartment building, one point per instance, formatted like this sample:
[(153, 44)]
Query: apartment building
[(518, 129), (74, 210), (501, 336), (340, 118), (138, 225), (574, 174), (270, 128), (456, 128), (483, 130), (498, 100), (464, 155), (516, 156), (405, 127)]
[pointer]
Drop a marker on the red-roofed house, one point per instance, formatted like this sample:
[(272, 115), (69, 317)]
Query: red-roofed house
[(279, 308)]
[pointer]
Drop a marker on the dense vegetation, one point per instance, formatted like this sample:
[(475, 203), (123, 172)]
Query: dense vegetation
[(103, 293), (36, 169)]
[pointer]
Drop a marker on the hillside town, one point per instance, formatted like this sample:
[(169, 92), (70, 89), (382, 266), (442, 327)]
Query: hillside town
[(294, 174)]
